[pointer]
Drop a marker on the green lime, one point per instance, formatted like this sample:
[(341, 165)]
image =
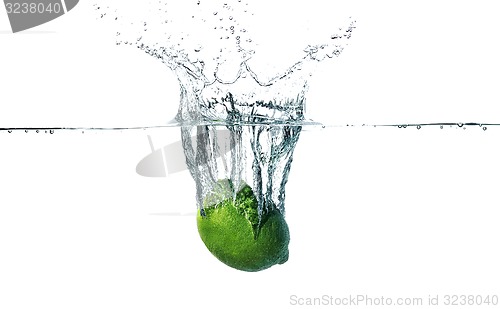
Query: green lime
[(232, 232)]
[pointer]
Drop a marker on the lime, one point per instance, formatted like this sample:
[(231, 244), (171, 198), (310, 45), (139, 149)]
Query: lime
[(233, 233)]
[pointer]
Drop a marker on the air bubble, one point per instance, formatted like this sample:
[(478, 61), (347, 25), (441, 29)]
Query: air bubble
[(440, 127), (460, 125), (51, 131), (10, 131), (419, 127), (37, 131), (485, 128)]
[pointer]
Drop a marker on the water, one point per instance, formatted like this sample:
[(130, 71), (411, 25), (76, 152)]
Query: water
[(441, 125), (260, 155)]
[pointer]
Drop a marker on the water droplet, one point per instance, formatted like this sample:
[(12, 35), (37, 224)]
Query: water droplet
[(10, 131), (37, 131), (230, 17), (51, 131), (26, 131), (485, 128), (440, 127), (400, 126), (460, 125), (419, 127), (215, 13)]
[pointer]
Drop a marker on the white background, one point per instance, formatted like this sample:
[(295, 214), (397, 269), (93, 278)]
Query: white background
[(378, 211)]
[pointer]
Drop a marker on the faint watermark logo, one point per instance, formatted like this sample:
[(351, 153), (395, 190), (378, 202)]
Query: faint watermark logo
[(170, 159), (26, 14)]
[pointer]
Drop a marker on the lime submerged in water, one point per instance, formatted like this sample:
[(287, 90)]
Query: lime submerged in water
[(233, 233)]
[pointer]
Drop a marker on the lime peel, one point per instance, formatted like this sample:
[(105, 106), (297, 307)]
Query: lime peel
[(234, 233)]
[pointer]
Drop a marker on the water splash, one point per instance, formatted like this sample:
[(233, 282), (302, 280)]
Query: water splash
[(215, 51)]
